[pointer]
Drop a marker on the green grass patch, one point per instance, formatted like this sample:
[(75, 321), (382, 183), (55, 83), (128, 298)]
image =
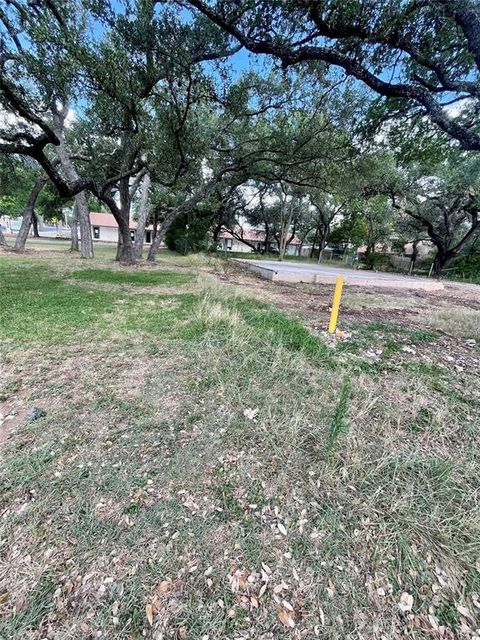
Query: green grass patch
[(260, 323), (270, 324), (39, 603), (37, 306), (339, 423), (138, 278)]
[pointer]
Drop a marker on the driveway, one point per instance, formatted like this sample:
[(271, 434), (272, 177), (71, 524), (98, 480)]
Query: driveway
[(322, 274)]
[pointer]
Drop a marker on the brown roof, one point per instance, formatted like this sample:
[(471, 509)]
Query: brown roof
[(251, 235), (107, 220), (103, 220)]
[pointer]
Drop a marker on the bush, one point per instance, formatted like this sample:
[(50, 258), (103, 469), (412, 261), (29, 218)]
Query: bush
[(467, 267), (186, 238), (376, 261)]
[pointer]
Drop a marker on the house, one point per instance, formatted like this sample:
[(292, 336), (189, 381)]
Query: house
[(253, 240), (105, 228)]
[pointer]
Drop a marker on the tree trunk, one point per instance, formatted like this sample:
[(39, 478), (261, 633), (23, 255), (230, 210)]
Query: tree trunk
[(3, 242), (321, 246), (74, 246), (285, 223), (164, 227), (414, 255), (216, 233), (266, 244), (155, 224), (68, 167), (28, 214), (312, 250), (178, 211), (83, 215), (142, 217), (125, 250), (35, 225), (442, 260), (119, 246)]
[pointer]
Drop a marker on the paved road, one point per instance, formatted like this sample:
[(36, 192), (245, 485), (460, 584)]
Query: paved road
[(305, 272)]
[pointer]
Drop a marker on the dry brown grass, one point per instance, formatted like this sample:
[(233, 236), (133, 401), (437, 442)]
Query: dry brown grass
[(460, 322)]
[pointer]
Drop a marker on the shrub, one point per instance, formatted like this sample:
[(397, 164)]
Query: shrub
[(186, 238), (377, 261), (467, 267)]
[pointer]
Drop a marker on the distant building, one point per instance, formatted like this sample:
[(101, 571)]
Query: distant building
[(105, 228), (250, 240)]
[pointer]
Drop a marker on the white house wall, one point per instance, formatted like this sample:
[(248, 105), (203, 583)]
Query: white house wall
[(236, 246), (108, 234)]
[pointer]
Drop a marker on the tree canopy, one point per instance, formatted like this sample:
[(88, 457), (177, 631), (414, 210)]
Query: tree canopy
[(358, 114)]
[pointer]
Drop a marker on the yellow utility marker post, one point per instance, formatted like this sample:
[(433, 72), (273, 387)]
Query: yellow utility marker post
[(336, 305)]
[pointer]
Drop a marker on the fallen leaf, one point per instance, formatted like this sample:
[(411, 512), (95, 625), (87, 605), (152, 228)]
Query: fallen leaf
[(21, 604), (282, 529), (406, 602), (250, 413), (287, 605), (322, 616), (149, 612), (286, 617), (163, 587), (463, 611), (408, 349)]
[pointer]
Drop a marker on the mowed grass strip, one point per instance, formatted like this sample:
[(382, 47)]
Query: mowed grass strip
[(37, 305), (134, 277)]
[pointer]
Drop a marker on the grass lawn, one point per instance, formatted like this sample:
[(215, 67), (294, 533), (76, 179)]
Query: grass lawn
[(208, 463)]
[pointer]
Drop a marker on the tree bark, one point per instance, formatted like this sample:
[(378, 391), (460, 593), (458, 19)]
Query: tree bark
[(83, 216), (125, 252), (414, 255), (28, 214), (314, 242), (143, 212), (3, 242), (74, 246), (442, 259), (266, 242), (216, 233), (155, 223), (321, 235), (321, 245), (35, 225), (119, 246)]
